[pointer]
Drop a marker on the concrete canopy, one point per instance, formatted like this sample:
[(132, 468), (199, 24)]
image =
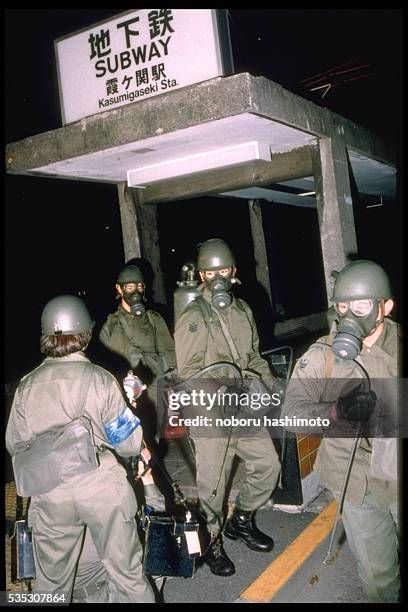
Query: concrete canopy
[(372, 177), (204, 117)]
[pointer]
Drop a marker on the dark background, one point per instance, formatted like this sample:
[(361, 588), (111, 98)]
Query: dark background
[(65, 236)]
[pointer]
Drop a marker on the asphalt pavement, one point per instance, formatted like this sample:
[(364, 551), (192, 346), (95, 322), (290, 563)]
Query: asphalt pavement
[(314, 582)]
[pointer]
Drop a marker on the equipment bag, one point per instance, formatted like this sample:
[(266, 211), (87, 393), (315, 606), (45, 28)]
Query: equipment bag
[(49, 458), (171, 541), (171, 544)]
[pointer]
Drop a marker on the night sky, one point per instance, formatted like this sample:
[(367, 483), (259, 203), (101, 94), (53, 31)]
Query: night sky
[(56, 244)]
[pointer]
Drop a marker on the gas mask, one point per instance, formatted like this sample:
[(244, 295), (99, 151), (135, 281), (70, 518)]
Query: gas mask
[(135, 301), (220, 286), (357, 320)]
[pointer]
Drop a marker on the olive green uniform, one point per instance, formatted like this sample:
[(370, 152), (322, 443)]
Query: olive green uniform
[(101, 499), (370, 514), (144, 340), (197, 346), (92, 581)]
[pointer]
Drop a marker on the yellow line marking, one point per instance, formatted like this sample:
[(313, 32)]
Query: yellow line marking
[(283, 567)]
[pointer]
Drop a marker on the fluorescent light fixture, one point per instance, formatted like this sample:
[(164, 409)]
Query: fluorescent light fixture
[(307, 193), (235, 155)]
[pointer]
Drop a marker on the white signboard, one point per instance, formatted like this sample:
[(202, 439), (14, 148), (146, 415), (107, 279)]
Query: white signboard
[(136, 55)]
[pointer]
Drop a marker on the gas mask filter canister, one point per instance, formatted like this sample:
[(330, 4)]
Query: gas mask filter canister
[(221, 298), (135, 301)]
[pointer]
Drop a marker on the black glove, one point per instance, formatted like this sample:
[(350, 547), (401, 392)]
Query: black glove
[(171, 380), (356, 406), (171, 375)]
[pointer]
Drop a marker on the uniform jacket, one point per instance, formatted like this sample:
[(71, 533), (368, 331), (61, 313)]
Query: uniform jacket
[(200, 343), (46, 398), (144, 338), (312, 397)]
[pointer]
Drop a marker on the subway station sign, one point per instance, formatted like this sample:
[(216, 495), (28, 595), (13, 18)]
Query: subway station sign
[(137, 55)]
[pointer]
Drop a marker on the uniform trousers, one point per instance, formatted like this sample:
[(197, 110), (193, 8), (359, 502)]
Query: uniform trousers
[(372, 534), (103, 500), (262, 471)]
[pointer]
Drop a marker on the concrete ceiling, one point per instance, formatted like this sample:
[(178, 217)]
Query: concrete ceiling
[(372, 177), (111, 165)]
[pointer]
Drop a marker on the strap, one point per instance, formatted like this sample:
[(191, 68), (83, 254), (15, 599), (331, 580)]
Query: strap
[(163, 365), (234, 351), (125, 326), (20, 514), (19, 507), (83, 392), (244, 307), (151, 321), (84, 387), (205, 310)]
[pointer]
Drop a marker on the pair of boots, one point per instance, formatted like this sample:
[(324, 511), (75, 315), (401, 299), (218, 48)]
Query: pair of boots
[(241, 526)]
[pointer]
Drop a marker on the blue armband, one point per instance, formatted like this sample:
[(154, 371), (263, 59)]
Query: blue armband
[(121, 428)]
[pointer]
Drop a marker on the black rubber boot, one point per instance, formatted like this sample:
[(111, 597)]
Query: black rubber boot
[(217, 560), (241, 526)]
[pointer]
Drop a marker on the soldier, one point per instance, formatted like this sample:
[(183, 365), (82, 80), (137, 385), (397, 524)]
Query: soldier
[(92, 580), (140, 335), (212, 328), (64, 386), (362, 343)]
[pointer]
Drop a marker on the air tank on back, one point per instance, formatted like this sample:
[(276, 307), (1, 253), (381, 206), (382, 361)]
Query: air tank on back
[(187, 289)]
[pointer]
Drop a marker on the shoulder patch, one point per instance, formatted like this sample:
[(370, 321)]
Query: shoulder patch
[(193, 326), (303, 362)]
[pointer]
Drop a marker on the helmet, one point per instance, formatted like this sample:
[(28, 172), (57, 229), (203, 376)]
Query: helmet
[(130, 274), (214, 254), (65, 314), (359, 280)]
